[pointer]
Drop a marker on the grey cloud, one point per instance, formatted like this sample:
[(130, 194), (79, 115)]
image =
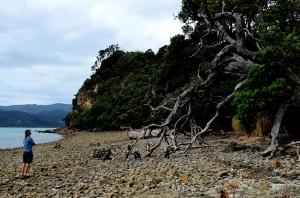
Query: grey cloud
[(52, 43)]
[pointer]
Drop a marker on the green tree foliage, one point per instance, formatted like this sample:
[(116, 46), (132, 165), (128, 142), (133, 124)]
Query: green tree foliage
[(104, 54), (264, 90), (123, 82), (276, 24), (268, 85)]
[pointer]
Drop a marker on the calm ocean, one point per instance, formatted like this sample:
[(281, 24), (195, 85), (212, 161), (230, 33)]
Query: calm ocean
[(13, 137)]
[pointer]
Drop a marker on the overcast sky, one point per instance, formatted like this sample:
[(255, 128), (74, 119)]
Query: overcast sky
[(47, 47)]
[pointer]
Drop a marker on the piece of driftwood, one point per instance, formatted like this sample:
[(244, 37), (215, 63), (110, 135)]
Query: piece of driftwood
[(102, 154)]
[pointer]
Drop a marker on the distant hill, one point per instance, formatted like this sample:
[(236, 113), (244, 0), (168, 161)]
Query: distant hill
[(31, 115), (33, 108), (21, 119), (54, 116)]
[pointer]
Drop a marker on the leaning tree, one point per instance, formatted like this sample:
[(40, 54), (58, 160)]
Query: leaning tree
[(241, 35)]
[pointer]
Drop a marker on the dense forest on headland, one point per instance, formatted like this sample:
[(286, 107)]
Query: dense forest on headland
[(237, 65)]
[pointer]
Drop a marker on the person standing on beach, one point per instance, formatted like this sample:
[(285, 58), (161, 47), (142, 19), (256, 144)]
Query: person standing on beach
[(27, 153)]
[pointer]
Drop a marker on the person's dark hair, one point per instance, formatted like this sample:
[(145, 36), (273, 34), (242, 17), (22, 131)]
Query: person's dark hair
[(27, 133)]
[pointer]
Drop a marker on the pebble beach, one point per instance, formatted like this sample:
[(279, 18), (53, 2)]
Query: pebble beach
[(67, 169)]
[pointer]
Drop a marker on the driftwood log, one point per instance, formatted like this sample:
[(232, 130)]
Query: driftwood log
[(102, 154)]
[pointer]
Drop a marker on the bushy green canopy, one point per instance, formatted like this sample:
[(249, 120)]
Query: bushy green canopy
[(124, 82)]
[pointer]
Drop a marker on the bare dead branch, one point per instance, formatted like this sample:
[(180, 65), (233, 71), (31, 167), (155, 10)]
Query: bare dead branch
[(162, 136), (217, 58), (130, 146), (183, 117), (295, 145), (174, 110), (158, 107), (223, 6), (198, 75), (208, 124), (293, 76)]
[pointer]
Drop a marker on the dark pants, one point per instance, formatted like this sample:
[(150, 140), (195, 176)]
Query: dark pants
[(27, 157)]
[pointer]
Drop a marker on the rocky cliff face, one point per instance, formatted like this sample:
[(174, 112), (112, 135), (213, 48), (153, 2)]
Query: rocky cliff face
[(85, 100)]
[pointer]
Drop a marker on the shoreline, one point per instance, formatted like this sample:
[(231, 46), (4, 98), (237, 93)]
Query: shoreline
[(63, 135), (20, 147), (70, 170)]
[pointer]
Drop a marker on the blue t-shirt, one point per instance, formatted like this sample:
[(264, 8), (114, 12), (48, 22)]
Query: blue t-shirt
[(28, 143)]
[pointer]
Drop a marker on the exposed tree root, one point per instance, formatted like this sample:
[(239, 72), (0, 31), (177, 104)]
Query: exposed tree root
[(295, 145), (275, 130), (294, 100)]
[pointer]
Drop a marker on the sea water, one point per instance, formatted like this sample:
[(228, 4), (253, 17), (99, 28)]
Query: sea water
[(13, 137)]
